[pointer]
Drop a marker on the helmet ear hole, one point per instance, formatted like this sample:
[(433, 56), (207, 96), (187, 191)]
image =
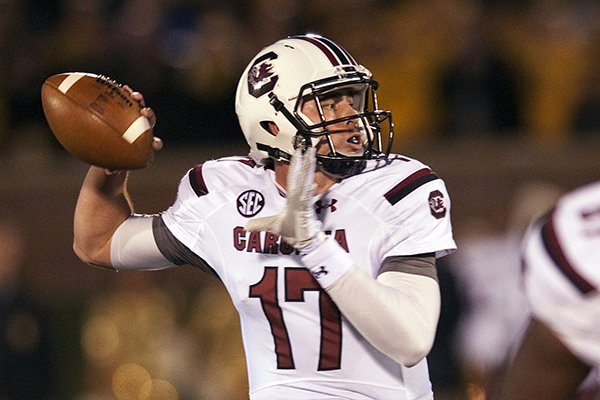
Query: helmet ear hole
[(270, 127)]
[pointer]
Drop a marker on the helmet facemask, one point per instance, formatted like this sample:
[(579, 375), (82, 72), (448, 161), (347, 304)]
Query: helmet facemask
[(367, 123)]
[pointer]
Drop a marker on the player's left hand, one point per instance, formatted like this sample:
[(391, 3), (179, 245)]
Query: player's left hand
[(297, 222)]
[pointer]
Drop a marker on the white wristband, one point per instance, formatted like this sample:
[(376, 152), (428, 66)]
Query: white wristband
[(327, 262)]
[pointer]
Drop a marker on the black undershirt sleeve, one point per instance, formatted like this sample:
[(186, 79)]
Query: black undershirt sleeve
[(179, 254), (175, 251), (419, 264)]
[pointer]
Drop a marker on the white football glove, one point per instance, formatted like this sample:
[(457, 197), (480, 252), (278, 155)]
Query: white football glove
[(297, 222)]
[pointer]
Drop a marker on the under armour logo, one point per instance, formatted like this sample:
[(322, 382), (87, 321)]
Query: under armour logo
[(322, 271), (320, 206)]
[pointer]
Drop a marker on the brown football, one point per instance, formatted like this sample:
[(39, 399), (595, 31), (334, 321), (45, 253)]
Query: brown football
[(96, 120)]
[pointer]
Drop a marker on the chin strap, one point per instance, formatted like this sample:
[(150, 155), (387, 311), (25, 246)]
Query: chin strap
[(273, 152), (280, 107), (336, 167)]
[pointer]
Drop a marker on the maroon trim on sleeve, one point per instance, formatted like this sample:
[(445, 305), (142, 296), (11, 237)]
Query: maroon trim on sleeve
[(556, 253), (197, 181), (408, 185)]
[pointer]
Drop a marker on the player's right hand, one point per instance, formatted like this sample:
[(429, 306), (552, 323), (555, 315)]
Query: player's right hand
[(157, 143)]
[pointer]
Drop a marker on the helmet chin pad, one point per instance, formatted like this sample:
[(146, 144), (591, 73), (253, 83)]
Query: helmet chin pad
[(341, 168)]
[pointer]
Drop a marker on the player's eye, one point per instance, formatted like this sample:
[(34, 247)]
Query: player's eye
[(349, 100), (329, 105)]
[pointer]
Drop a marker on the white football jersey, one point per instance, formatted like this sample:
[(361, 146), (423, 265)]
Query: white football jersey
[(561, 257), (297, 344)]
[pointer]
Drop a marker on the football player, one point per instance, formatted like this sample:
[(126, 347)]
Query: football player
[(325, 241), (561, 346)]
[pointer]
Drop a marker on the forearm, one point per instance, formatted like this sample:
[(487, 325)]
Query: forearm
[(101, 207), (397, 313)]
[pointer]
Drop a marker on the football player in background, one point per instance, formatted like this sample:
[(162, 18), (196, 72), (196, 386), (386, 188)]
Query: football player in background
[(325, 241), (559, 355)]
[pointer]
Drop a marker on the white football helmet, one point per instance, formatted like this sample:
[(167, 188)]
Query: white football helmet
[(291, 71)]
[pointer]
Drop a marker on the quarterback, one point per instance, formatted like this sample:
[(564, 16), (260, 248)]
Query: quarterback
[(326, 242), (559, 356)]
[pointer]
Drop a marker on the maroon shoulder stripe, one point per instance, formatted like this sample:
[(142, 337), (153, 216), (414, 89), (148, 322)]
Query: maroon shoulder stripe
[(408, 185), (245, 160), (556, 253), (249, 162), (197, 181)]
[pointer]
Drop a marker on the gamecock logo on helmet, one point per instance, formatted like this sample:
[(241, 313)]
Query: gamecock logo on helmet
[(261, 78)]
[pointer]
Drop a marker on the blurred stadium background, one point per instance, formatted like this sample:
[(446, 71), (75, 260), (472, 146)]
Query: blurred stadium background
[(496, 96)]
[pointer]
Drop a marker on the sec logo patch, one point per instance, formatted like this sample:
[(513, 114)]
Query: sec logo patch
[(249, 203)]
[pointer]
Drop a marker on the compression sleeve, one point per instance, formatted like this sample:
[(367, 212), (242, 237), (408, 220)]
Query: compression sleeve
[(397, 313), (133, 246)]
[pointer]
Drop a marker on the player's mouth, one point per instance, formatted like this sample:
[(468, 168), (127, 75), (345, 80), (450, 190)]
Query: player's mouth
[(354, 139), (353, 145), (349, 141)]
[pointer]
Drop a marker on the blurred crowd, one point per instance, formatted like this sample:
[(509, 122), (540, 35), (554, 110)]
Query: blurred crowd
[(136, 337), (449, 70)]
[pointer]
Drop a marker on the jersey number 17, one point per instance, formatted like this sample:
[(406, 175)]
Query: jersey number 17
[(296, 282)]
